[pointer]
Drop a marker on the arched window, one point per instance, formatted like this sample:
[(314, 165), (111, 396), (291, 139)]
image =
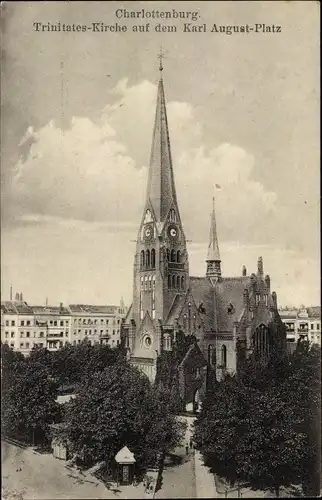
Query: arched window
[(182, 282), (153, 258), (224, 356), (184, 321), (178, 256), (146, 283), (147, 259), (173, 255), (153, 281), (173, 281), (194, 321), (169, 281), (261, 342), (210, 351), (142, 286), (142, 258), (150, 282), (167, 342), (178, 282), (172, 216)]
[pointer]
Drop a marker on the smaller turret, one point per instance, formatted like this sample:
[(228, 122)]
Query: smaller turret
[(213, 257)]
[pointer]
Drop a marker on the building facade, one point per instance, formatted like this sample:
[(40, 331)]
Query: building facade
[(97, 324), (230, 317), (304, 322), (24, 327)]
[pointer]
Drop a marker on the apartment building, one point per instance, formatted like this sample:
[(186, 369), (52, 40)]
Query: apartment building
[(304, 322), (98, 324), (24, 326)]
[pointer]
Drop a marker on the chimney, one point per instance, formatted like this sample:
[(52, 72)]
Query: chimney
[(274, 297), (10, 292), (17, 297), (61, 306), (244, 271), (21, 297), (260, 270), (46, 301)]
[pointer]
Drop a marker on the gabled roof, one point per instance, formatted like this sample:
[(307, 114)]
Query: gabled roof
[(128, 316), (194, 350), (229, 292), (203, 294), (125, 456), (263, 316), (175, 309)]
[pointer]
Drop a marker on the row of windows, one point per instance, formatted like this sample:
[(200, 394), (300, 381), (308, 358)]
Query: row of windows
[(96, 342), (187, 323), (7, 335), (177, 282), (147, 259), (148, 282), (212, 356), (13, 323), (89, 332), (259, 298), (304, 326), (90, 321), (55, 322)]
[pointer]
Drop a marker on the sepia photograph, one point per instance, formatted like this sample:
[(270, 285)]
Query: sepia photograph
[(160, 249)]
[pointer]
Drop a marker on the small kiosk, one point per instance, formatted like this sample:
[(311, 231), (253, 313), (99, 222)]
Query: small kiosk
[(125, 466)]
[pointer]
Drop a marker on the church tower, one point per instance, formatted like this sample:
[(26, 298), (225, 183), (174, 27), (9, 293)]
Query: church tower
[(161, 262), (213, 257)]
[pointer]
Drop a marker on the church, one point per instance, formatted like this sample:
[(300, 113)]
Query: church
[(229, 317)]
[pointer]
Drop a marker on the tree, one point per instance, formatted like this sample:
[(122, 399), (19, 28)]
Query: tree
[(255, 428), (118, 407), (29, 401), (71, 364), (167, 369)]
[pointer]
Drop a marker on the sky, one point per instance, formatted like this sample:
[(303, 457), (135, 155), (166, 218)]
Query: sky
[(77, 118)]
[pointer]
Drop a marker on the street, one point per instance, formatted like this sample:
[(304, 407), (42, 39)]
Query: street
[(33, 476)]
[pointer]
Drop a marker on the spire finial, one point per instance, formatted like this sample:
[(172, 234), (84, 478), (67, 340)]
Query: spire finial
[(161, 57)]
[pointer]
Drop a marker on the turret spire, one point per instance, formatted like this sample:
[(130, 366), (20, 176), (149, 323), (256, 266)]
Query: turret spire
[(213, 256), (161, 189)]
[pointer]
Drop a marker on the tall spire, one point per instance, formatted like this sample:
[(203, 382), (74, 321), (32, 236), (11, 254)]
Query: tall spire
[(213, 256), (161, 189)]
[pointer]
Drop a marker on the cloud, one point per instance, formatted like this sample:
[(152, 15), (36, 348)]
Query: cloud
[(97, 171)]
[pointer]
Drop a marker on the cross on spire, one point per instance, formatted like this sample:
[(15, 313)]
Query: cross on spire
[(161, 57)]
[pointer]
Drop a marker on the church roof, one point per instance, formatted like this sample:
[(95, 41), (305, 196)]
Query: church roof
[(203, 293), (263, 316), (161, 189), (175, 309), (229, 302)]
